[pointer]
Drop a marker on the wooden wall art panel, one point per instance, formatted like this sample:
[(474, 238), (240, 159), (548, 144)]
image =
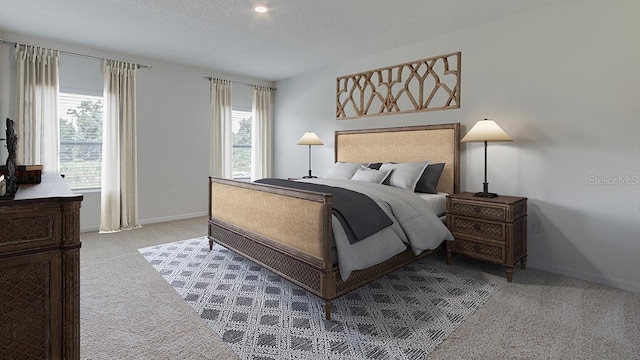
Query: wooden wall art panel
[(422, 85)]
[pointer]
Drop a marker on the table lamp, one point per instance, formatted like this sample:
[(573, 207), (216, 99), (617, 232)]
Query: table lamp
[(486, 131), (309, 138)]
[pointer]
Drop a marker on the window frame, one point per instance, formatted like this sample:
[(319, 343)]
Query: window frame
[(80, 95), (239, 115)]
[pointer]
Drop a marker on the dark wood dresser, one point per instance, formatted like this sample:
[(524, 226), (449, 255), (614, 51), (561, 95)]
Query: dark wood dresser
[(40, 272), (491, 229)]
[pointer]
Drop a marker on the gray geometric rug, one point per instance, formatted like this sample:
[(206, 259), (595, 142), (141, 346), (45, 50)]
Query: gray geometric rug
[(403, 315)]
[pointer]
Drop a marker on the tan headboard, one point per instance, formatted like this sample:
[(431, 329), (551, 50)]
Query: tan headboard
[(436, 143)]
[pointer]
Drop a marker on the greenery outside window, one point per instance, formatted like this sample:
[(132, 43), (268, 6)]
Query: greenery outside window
[(241, 156), (80, 139)]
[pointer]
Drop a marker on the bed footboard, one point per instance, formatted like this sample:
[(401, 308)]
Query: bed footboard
[(285, 230)]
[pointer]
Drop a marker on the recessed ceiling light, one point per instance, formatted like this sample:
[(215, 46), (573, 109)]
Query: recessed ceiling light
[(260, 8)]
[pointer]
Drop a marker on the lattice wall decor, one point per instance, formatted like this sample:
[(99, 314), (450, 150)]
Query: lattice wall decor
[(423, 85)]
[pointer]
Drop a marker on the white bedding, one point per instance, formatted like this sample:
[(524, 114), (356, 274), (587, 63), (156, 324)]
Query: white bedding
[(415, 224), (437, 202)]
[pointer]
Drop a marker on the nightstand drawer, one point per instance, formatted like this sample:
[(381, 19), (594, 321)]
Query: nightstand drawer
[(475, 210), (480, 250), (484, 229)]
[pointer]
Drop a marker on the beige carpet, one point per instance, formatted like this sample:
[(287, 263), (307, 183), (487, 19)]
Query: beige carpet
[(128, 311)]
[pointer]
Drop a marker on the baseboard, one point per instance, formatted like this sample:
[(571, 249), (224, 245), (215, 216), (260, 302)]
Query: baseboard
[(89, 229), (155, 220), (173, 217), (615, 283)]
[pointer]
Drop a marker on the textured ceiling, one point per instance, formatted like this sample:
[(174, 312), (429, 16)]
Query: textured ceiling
[(295, 37)]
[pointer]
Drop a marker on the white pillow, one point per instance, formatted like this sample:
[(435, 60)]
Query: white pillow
[(371, 175), (405, 175), (342, 170)]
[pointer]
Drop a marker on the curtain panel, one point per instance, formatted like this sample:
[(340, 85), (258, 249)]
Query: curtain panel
[(261, 133), (119, 196), (221, 142), (38, 72)]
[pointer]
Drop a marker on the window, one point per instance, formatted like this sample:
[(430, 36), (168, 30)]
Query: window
[(241, 127), (80, 139)]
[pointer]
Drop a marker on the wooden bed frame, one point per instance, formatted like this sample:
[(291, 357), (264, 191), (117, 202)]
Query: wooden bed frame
[(289, 231)]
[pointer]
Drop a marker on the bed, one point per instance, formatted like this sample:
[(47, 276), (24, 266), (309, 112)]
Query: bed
[(289, 231)]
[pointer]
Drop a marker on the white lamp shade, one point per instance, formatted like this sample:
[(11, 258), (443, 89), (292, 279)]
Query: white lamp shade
[(486, 130), (310, 138)]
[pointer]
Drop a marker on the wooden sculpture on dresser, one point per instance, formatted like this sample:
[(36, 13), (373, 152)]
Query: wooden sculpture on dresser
[(12, 141)]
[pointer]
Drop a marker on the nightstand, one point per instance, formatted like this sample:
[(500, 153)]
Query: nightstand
[(491, 229)]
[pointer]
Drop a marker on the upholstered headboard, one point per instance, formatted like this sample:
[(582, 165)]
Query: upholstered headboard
[(436, 143)]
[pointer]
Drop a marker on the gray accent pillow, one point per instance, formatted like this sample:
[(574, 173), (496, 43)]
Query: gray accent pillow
[(342, 170), (371, 175), (404, 175), (428, 182)]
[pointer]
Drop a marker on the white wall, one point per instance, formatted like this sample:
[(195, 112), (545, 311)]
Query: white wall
[(4, 100), (563, 81), (172, 120)]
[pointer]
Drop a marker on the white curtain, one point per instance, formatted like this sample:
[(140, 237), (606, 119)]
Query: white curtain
[(261, 133), (221, 143), (119, 197), (37, 121)]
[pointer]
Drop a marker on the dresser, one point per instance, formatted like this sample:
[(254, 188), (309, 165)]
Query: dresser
[(490, 229), (40, 272)]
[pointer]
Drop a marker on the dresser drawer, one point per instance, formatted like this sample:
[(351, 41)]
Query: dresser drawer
[(485, 229), (28, 227), (491, 252), (496, 212)]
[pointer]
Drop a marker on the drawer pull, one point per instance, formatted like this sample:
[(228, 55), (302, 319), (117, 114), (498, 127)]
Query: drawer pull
[(476, 227), (477, 210)]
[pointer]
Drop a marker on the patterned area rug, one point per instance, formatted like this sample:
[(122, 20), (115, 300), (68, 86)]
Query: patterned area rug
[(404, 315)]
